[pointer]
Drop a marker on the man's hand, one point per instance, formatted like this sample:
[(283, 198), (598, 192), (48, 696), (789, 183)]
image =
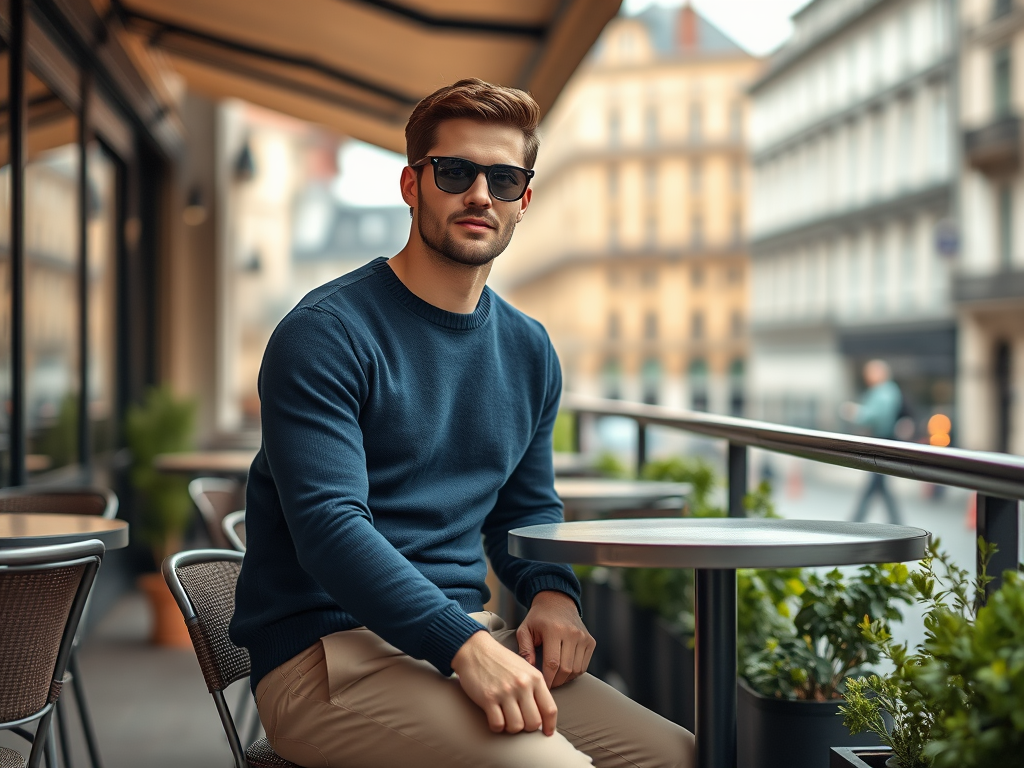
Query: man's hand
[(510, 691), (554, 623)]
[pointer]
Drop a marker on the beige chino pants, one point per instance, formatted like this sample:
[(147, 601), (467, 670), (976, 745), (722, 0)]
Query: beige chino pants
[(354, 701)]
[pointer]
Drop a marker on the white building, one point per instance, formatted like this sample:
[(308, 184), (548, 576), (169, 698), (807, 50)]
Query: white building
[(855, 147), (989, 286)]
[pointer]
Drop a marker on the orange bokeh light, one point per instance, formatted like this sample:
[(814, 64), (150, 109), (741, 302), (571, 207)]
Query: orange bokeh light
[(939, 424), (941, 440)]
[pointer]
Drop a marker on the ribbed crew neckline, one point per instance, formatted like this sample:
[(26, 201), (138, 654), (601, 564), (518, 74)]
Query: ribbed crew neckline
[(455, 321)]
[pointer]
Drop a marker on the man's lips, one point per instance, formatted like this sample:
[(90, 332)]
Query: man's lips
[(475, 225)]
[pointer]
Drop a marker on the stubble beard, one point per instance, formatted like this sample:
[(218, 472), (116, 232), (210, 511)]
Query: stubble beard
[(438, 237)]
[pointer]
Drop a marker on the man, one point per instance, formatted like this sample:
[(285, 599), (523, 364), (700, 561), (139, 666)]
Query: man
[(406, 411), (879, 414)]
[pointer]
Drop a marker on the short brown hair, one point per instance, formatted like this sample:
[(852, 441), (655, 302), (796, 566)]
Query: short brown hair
[(473, 99)]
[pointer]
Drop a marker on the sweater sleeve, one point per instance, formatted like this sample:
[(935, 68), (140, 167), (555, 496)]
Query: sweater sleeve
[(312, 386), (528, 498)]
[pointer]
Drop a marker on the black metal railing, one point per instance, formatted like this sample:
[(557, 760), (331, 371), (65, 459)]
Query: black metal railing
[(998, 478)]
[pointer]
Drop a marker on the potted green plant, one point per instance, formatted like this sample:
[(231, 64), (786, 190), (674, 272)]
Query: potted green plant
[(799, 641), (162, 423), (958, 700)]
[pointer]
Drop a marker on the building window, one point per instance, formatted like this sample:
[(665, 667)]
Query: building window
[(614, 128), (613, 233), (1005, 226), (906, 164), (696, 123), (651, 126), (697, 230), (697, 277), (649, 277), (651, 180), (651, 326), (697, 326), (737, 176), (737, 228), (736, 324), (695, 176), (940, 133), (614, 331), (1001, 81), (650, 381), (614, 278), (908, 276), (613, 182), (736, 121), (651, 227), (881, 278), (611, 379), (734, 276), (698, 376)]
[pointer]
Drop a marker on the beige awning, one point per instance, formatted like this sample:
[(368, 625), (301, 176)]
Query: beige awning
[(359, 66)]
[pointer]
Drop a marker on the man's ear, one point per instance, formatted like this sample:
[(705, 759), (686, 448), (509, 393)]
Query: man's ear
[(524, 203), (410, 186)]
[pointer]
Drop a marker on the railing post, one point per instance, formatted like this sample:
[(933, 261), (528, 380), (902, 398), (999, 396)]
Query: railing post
[(737, 480), (641, 447), (577, 432), (999, 524)]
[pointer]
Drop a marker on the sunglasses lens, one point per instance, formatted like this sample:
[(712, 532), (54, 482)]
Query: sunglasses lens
[(454, 175), (506, 182)]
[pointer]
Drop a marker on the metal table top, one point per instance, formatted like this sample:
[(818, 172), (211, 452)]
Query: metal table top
[(718, 543), (43, 530)]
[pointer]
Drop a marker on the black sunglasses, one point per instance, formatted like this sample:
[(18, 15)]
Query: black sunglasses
[(455, 175)]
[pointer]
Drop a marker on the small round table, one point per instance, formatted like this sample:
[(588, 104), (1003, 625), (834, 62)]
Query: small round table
[(43, 530), (597, 496), (716, 547)]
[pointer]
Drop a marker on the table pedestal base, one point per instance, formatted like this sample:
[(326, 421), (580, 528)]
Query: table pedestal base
[(715, 656)]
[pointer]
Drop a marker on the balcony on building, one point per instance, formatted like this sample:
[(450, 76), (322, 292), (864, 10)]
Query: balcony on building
[(995, 148)]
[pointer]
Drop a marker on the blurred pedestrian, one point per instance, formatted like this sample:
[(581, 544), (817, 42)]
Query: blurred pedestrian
[(878, 413)]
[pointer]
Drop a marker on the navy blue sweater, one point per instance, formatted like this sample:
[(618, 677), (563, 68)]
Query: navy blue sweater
[(395, 434)]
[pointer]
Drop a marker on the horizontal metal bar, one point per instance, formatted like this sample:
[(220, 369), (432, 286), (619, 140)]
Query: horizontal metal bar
[(998, 474)]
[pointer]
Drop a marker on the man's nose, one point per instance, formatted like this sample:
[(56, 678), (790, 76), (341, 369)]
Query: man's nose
[(478, 195)]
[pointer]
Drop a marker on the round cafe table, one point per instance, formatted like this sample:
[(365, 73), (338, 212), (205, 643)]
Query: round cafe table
[(716, 547), (43, 530)]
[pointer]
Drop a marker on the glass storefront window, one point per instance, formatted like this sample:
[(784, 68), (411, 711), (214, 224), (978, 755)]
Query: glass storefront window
[(51, 283)]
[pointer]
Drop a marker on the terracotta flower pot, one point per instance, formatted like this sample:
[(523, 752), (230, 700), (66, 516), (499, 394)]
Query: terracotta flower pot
[(168, 624)]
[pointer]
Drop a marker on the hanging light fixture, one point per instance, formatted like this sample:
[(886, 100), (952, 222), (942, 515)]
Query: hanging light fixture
[(245, 164)]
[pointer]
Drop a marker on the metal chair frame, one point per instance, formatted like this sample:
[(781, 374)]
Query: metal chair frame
[(230, 524), (109, 512), (212, 517), (170, 572), (90, 553)]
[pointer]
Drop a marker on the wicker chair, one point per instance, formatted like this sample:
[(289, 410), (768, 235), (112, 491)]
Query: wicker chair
[(203, 583), (70, 500), (42, 596), (215, 498), (234, 530)]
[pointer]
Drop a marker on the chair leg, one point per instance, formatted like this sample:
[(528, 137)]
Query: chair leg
[(61, 719), (42, 743), (83, 712)]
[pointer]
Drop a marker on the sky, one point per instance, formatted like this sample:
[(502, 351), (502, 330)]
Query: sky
[(369, 175)]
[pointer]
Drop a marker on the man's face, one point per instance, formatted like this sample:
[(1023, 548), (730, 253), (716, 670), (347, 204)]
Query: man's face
[(471, 228)]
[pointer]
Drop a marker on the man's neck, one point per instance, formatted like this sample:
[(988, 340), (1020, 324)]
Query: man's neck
[(438, 281)]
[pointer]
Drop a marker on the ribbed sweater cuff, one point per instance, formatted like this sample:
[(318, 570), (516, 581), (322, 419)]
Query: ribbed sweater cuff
[(445, 635), (553, 581)]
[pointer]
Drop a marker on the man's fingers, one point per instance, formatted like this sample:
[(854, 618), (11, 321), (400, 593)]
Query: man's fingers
[(552, 660), (565, 663), (548, 709), (495, 717), (591, 647), (532, 720), (513, 715), (526, 647), (579, 660)]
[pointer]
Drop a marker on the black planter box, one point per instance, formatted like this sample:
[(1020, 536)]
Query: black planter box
[(782, 733), (858, 757)]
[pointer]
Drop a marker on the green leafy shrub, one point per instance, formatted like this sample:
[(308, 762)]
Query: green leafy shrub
[(161, 424), (958, 700), (810, 656)]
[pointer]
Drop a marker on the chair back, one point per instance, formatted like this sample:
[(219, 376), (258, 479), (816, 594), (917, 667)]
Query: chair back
[(42, 595), (215, 497), (234, 529), (101, 502)]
